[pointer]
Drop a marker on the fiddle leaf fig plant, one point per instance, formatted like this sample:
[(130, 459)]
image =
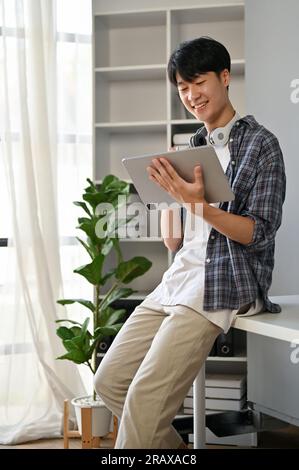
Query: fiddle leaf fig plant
[(100, 224)]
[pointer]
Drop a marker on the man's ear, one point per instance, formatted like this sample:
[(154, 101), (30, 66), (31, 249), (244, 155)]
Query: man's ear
[(225, 75)]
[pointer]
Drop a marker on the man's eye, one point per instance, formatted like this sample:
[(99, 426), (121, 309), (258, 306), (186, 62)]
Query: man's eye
[(182, 89), (200, 83)]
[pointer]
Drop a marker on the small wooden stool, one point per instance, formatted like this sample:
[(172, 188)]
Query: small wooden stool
[(88, 441)]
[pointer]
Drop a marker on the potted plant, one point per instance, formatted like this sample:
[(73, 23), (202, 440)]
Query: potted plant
[(101, 223)]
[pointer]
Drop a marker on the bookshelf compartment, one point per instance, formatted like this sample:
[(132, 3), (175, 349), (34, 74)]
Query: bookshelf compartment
[(113, 144), (137, 38), (129, 100), (223, 23)]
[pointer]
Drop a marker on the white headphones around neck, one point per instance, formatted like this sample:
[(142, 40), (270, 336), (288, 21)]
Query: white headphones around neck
[(220, 135)]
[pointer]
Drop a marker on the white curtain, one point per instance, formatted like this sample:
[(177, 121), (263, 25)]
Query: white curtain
[(45, 156)]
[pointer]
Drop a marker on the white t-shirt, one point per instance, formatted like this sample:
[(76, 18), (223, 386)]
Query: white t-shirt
[(183, 283)]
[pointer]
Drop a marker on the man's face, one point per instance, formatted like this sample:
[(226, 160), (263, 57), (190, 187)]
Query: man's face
[(206, 96)]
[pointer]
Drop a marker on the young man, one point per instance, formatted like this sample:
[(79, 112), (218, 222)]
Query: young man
[(221, 270)]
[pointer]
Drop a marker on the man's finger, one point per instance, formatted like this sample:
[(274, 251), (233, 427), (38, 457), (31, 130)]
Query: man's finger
[(197, 174), (163, 171), (170, 170), (157, 178)]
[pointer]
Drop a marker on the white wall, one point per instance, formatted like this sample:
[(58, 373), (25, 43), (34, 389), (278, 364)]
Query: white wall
[(272, 63)]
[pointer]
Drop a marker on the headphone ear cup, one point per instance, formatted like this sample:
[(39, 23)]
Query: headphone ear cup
[(219, 136)]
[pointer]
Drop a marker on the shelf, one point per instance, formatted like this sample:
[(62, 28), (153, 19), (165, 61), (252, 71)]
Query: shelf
[(227, 358), (143, 239), (132, 19), (133, 72), (184, 121), (211, 13), (155, 16), (153, 72), (145, 126)]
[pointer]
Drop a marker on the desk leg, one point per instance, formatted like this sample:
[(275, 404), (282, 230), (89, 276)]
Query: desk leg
[(199, 410)]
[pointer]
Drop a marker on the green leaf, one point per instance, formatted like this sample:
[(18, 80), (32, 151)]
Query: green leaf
[(76, 330), (106, 248), (84, 220), (66, 301), (70, 345), (107, 276), (84, 207), (135, 267), (94, 344), (85, 326), (87, 248), (108, 180), (110, 316), (85, 303), (108, 330), (116, 245), (94, 199), (64, 333), (66, 319), (88, 227), (94, 247), (113, 183), (76, 356), (93, 271), (78, 343), (91, 184), (118, 293)]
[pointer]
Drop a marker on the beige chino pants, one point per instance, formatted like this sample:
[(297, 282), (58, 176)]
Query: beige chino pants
[(148, 370)]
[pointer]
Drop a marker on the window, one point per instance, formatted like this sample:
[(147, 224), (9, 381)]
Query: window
[(74, 152), (74, 116), (74, 165)]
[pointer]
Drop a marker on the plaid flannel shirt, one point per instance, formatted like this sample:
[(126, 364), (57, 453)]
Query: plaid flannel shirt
[(236, 274)]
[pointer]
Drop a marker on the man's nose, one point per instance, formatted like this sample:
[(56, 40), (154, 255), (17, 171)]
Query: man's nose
[(193, 94)]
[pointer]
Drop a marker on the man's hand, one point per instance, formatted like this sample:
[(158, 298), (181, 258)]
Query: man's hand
[(164, 175)]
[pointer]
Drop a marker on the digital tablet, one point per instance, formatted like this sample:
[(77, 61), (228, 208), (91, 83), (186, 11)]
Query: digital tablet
[(217, 188)]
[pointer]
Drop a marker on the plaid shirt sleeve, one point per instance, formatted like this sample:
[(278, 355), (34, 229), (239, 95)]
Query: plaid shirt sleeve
[(264, 202)]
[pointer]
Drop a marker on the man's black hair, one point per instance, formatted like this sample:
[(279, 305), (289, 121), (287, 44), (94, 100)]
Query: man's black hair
[(201, 55)]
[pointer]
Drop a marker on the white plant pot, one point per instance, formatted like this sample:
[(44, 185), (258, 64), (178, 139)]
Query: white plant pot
[(101, 417)]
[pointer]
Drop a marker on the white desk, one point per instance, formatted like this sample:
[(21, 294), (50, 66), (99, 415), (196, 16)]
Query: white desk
[(283, 326)]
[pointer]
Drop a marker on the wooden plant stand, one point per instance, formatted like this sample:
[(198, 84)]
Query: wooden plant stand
[(88, 441)]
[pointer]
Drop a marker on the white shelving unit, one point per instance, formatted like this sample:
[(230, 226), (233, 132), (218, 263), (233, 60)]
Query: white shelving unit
[(137, 111)]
